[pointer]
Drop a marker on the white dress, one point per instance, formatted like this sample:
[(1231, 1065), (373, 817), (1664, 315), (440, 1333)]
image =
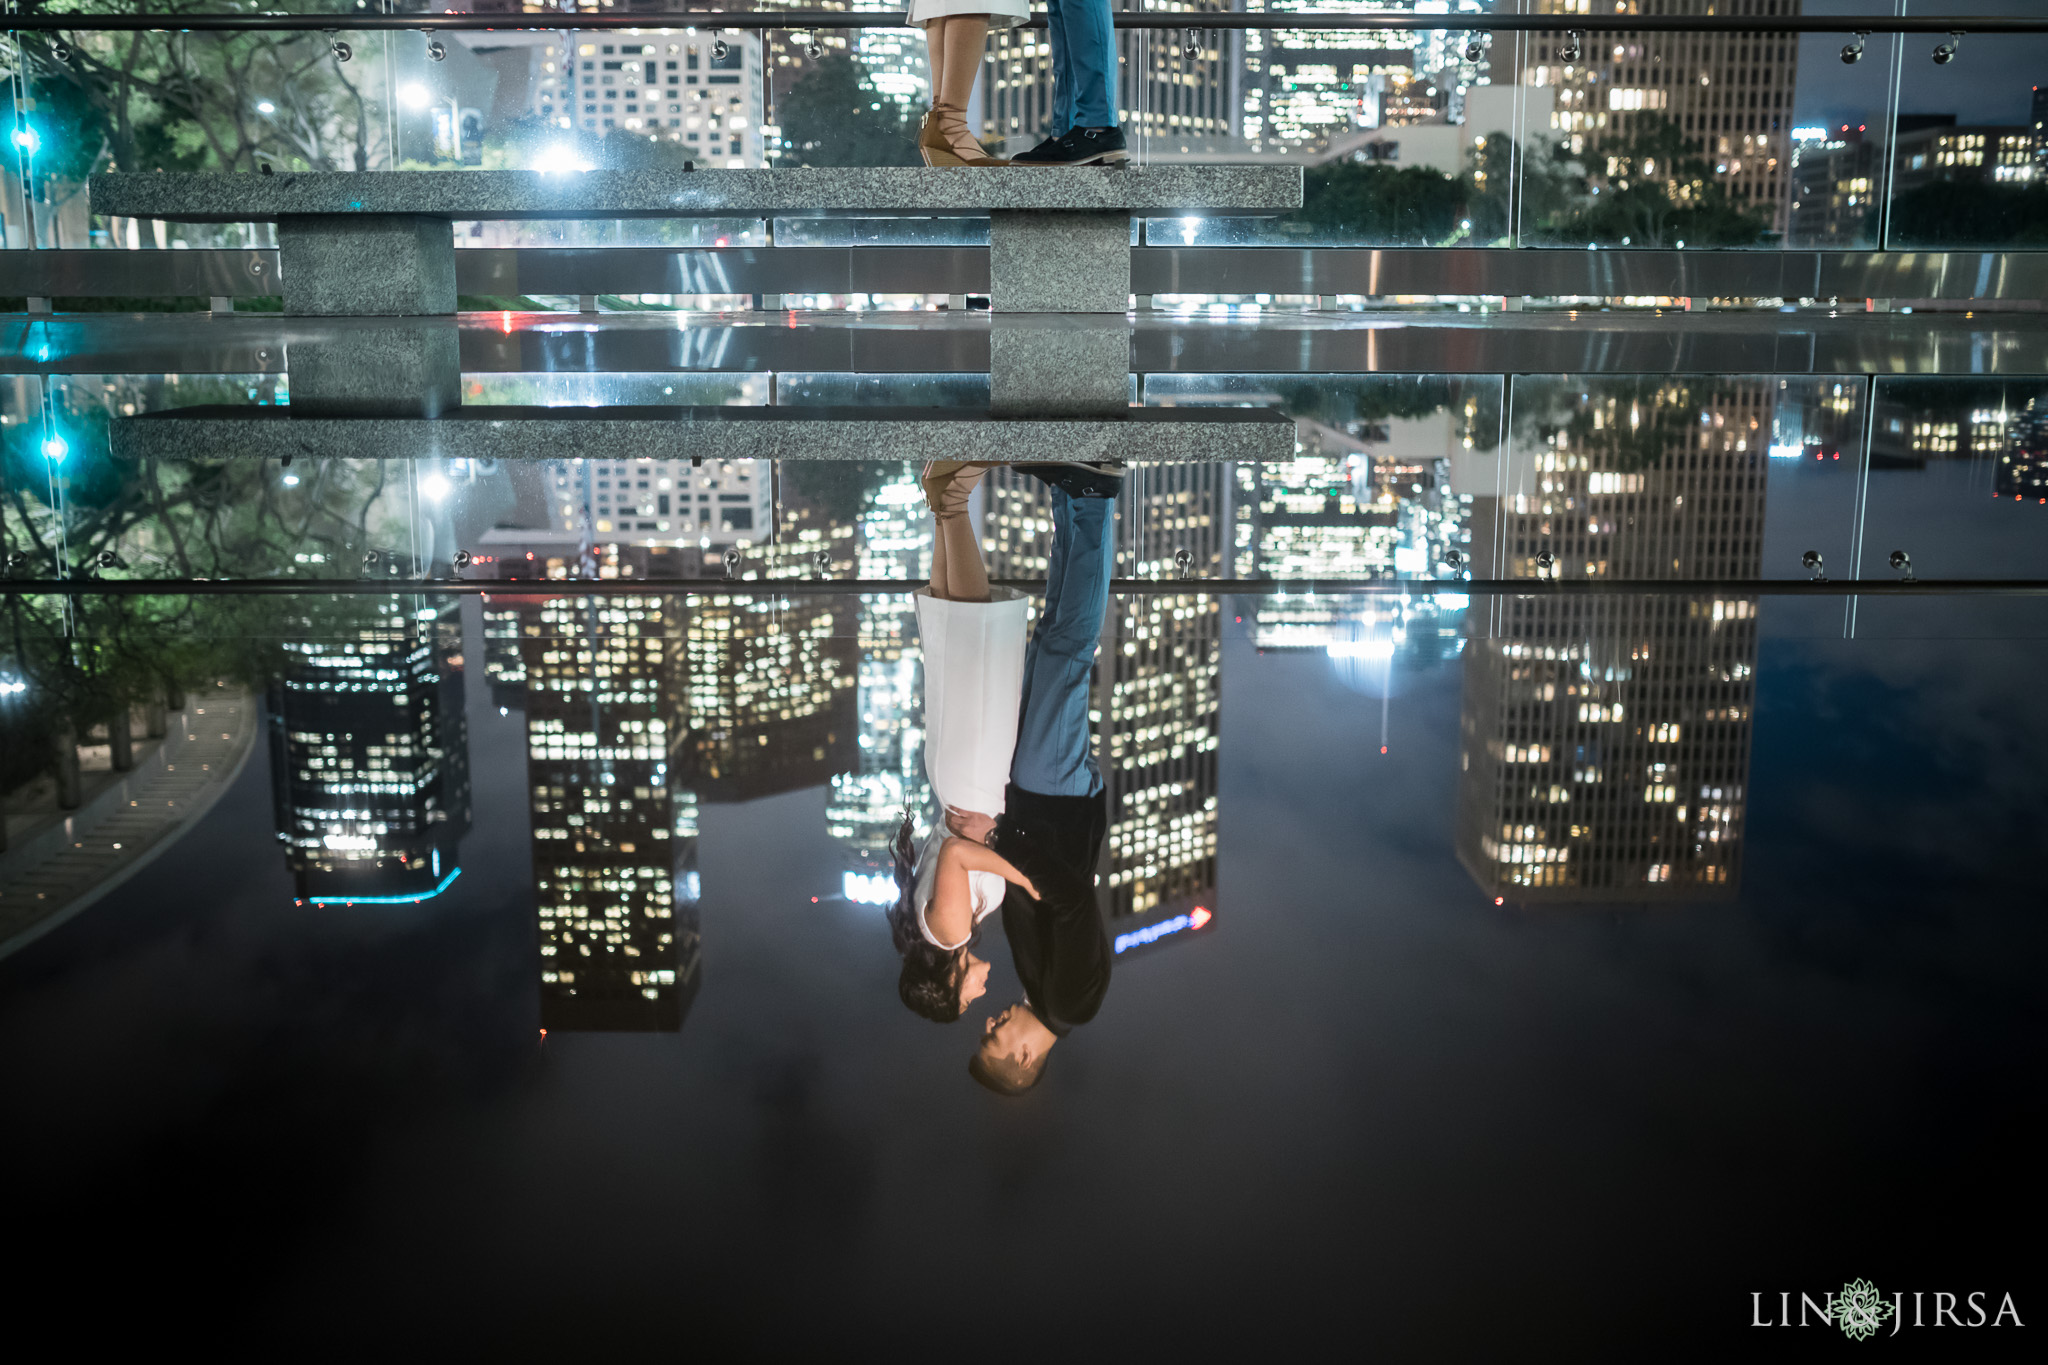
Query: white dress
[(1001, 13), (973, 687)]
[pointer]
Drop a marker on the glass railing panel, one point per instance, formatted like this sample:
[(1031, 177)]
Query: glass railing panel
[(1966, 169), (1706, 478), (1381, 484), (74, 510), (1958, 483), (1670, 140)]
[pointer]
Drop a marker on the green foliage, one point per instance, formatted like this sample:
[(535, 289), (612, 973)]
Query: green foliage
[(1620, 424), (1662, 191), (833, 116), (1966, 214), (1355, 404), (1412, 207)]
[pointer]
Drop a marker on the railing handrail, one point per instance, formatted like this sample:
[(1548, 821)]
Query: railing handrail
[(1150, 587), (806, 21)]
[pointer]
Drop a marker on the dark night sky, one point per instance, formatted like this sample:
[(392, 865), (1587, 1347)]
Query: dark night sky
[(1990, 81)]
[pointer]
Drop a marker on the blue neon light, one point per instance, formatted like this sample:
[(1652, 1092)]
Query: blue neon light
[(1152, 933), (446, 882)]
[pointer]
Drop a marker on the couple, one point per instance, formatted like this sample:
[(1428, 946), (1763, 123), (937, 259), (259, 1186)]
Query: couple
[(1083, 71), (1010, 755)]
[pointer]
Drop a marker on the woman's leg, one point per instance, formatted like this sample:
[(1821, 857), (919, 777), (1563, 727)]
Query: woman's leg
[(958, 574), (966, 38), (935, 54)]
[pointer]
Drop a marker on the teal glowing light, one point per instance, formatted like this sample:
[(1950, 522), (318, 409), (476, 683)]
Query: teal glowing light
[(28, 139), (55, 448), (446, 882)]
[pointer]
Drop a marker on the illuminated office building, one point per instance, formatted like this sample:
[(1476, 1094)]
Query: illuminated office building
[(614, 837), (660, 502), (1730, 92), (662, 83), (1605, 740), (771, 693), (2022, 472), (369, 758), (865, 804), (1363, 503), (1158, 678), (1304, 87)]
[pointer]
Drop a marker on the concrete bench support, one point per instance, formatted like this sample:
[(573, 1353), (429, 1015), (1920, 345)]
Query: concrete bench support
[(1059, 262), (385, 265)]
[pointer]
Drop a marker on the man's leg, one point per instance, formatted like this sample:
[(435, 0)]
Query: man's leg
[(1055, 739), (1062, 69), (1090, 69)]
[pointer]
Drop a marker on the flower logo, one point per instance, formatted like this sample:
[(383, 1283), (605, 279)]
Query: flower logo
[(1860, 1310)]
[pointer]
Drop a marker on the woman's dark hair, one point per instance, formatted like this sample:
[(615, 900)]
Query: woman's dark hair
[(929, 984)]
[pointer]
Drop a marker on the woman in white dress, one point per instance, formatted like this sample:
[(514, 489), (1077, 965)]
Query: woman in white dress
[(955, 32), (973, 639)]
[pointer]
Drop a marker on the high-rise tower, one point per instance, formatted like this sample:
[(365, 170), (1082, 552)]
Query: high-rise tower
[(1605, 740)]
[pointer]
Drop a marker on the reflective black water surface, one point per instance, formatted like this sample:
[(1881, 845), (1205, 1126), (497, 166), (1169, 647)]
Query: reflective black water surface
[(1486, 973)]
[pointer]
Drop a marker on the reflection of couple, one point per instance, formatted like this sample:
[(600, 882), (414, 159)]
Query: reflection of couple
[(1008, 749)]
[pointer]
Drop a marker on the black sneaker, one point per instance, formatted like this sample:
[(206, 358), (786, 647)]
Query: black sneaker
[(1080, 147), (1078, 480)]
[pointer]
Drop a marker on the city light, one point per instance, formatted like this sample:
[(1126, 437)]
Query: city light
[(414, 95), (1361, 649), (55, 448), (435, 487), (446, 882), (868, 888), (1152, 933), (560, 159), (28, 139)]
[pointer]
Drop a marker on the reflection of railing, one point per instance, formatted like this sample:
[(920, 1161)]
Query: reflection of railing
[(809, 21), (1986, 276), (1531, 588)]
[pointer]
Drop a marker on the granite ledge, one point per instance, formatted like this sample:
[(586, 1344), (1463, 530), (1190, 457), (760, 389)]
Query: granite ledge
[(808, 191), (1161, 435)]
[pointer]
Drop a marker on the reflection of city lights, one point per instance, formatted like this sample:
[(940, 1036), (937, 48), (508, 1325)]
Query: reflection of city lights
[(435, 486), (868, 888), (291, 481), (55, 448), (414, 95), (265, 107), (1361, 649)]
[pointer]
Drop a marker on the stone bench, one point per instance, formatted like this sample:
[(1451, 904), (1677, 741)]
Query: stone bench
[(379, 244), (1157, 435)]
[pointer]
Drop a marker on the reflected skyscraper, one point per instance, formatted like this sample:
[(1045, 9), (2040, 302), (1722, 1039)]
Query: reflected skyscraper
[(1158, 683), (614, 837), (894, 541), (1605, 740), (369, 757)]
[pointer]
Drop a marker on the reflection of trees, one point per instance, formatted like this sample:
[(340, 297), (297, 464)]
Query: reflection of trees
[(1661, 191), (1637, 423), (1967, 213), (211, 519), (189, 101), (88, 661), (1386, 398), (833, 116)]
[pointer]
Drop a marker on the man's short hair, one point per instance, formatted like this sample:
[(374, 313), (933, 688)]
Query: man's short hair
[(1003, 1074)]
